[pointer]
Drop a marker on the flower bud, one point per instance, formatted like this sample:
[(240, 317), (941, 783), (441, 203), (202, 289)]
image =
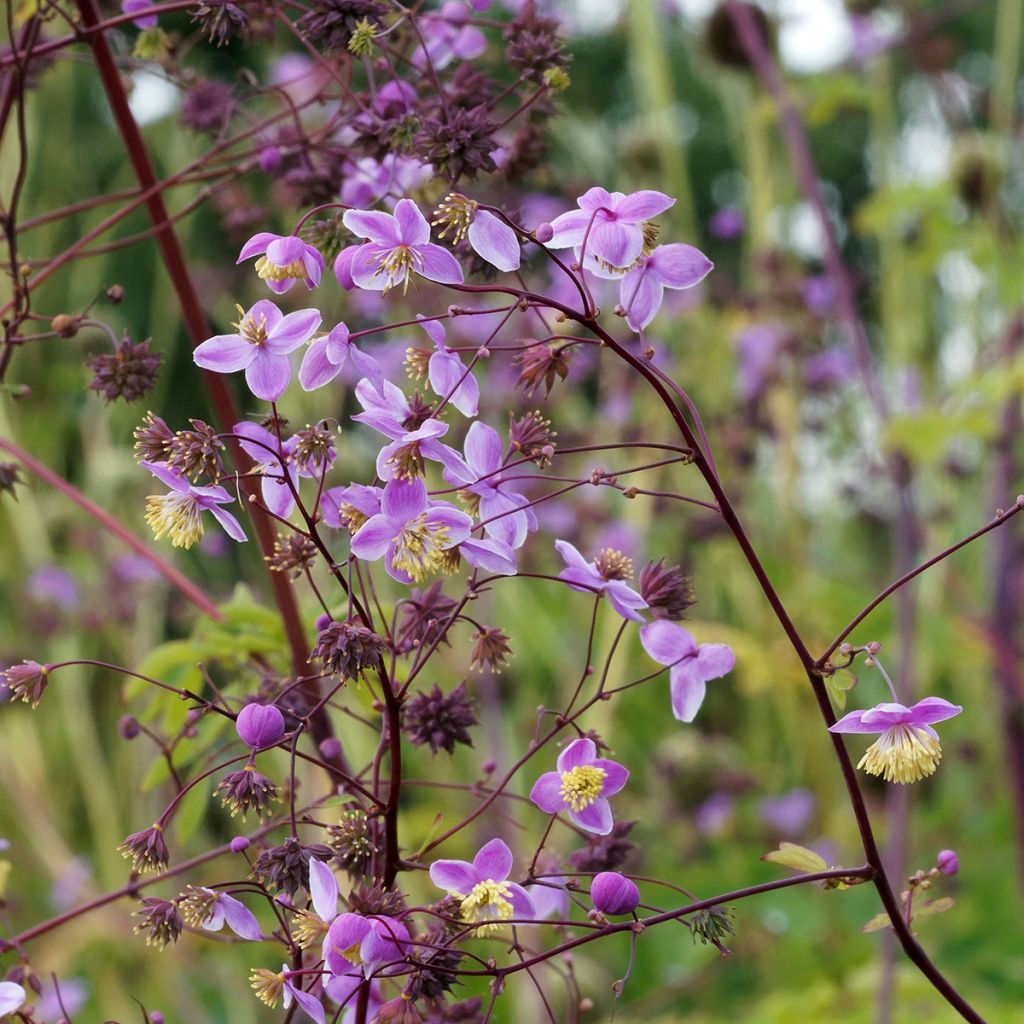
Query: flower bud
[(239, 843), (614, 894), (330, 748), (127, 727), (948, 862), (115, 294), (64, 326), (269, 159), (544, 232), (259, 725)]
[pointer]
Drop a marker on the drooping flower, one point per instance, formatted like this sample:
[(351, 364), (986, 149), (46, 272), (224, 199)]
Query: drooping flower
[(399, 245), (605, 575), (668, 266), (491, 238), (447, 375), (614, 894), (326, 356), (265, 338), (611, 222), (12, 996), (907, 748), (27, 681), (211, 910), (365, 944), (260, 725), (502, 508), (581, 786), (482, 887), (159, 920), (147, 850), (179, 513), (439, 719), (283, 260), (269, 987), (247, 790), (410, 533), (692, 664), (348, 649), (368, 180)]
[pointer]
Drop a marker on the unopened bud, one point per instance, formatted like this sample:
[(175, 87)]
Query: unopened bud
[(128, 728), (544, 233), (64, 326), (115, 294)]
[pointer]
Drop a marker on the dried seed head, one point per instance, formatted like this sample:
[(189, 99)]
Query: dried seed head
[(129, 372), (439, 720)]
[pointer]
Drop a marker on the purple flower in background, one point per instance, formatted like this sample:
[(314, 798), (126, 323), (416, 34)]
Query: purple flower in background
[(727, 223), (581, 786), (482, 887), (51, 583), (605, 575), (819, 295), (262, 447), (829, 368), (138, 6), (226, 909), (758, 348), (396, 97), (261, 346), (350, 506), (259, 725), (550, 898), (344, 989), (326, 356), (789, 812), (611, 222), (398, 246), (11, 997), (409, 532), (368, 180), (614, 894), (692, 664), (179, 513), (447, 37), (447, 374), (907, 748), (365, 944), (283, 260), (668, 266), (501, 506)]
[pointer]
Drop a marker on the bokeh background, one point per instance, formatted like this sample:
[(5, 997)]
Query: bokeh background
[(913, 110)]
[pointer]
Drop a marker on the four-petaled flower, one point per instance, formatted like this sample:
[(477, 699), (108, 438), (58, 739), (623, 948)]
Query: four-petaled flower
[(398, 246), (668, 266), (605, 575), (908, 748), (261, 346), (179, 513), (326, 356), (409, 532), (482, 887), (692, 664), (611, 224), (581, 786), (283, 260)]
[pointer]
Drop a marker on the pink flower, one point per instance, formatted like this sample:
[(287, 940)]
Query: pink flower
[(259, 725), (138, 6), (605, 575), (226, 909), (581, 786), (326, 356), (284, 259), (179, 513), (668, 266), (614, 894), (447, 374)]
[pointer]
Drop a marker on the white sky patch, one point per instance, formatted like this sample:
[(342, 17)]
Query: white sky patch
[(813, 34), (152, 97), (595, 16)]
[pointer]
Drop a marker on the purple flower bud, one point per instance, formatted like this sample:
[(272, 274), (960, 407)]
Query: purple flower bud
[(948, 862), (544, 233), (127, 727), (239, 843), (614, 894), (269, 159), (259, 725), (330, 748), (156, 1017), (322, 622)]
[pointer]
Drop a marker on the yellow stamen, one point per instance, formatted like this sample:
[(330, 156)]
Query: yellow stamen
[(487, 901), (419, 548), (582, 785), (308, 929), (395, 265), (254, 331), (904, 754), (267, 985), (177, 515), (456, 211), (407, 462), (272, 272)]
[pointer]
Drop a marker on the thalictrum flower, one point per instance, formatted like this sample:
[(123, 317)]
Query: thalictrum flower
[(482, 887), (179, 513), (908, 748), (692, 664), (144, 21), (226, 909), (326, 356), (581, 786), (262, 447), (368, 180), (668, 266), (611, 222), (409, 532), (605, 575), (261, 346), (284, 259), (502, 508), (259, 725), (344, 989), (446, 36), (491, 238), (349, 507), (614, 894), (269, 986), (355, 942), (447, 375), (12, 996), (398, 246)]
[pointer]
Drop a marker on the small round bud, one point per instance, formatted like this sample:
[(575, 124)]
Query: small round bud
[(115, 294), (322, 622), (239, 843), (544, 233), (948, 862), (489, 766), (586, 1005), (156, 1018), (193, 716), (614, 894), (259, 725), (270, 159), (128, 728), (330, 748), (64, 326), (873, 647)]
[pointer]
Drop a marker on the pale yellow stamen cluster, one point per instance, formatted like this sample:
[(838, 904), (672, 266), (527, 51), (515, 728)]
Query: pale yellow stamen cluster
[(487, 901), (904, 754), (419, 548), (582, 785), (267, 985), (614, 565), (395, 265), (176, 515), (407, 461), (254, 331), (455, 212), (272, 272), (308, 929)]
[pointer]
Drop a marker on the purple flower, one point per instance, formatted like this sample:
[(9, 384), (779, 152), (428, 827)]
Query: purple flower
[(550, 899), (611, 222), (614, 894), (344, 988), (581, 786), (309, 1004), (409, 532), (819, 295), (259, 725), (398, 246), (483, 889), (907, 748), (447, 374), (947, 862), (226, 909), (11, 997), (284, 259), (668, 266), (604, 576), (790, 812), (51, 583), (326, 356), (179, 513), (726, 223), (446, 36), (369, 180), (350, 506), (146, 21), (692, 664), (355, 942), (261, 346)]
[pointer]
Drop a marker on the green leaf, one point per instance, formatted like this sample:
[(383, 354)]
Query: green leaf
[(799, 858), (931, 907), (877, 923)]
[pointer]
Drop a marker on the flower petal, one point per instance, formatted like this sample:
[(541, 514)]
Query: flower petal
[(688, 691), (640, 294), (595, 817), (714, 661), (294, 330), (616, 243), (323, 889), (522, 905), (240, 919), (12, 996), (494, 241), (454, 875), (853, 721), (577, 753), (413, 228), (666, 642), (371, 540), (569, 229), (643, 205), (680, 266), (483, 448), (615, 775), (493, 861), (933, 709), (256, 245), (404, 499), (310, 1005), (171, 477), (268, 376), (547, 793), (317, 369), (438, 264), (374, 225), (231, 525), (491, 555), (224, 353)]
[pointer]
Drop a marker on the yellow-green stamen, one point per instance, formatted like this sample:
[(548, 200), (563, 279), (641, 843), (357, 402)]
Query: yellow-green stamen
[(903, 754), (176, 515), (582, 785)]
